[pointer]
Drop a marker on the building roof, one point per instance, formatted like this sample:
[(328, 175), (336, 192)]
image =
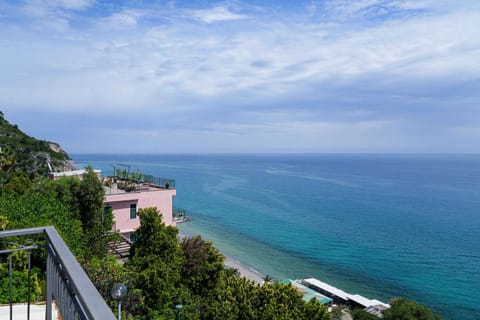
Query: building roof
[(326, 287), (361, 300), (113, 189), (365, 301), (72, 173), (376, 310), (308, 293)]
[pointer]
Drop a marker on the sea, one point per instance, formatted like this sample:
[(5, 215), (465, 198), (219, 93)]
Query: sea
[(380, 225)]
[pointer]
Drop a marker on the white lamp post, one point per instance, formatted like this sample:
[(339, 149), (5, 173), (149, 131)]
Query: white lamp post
[(179, 309), (119, 292)]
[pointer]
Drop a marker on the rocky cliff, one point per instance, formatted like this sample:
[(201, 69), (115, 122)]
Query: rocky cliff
[(36, 157)]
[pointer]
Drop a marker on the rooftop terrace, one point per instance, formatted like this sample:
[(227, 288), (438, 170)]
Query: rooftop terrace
[(116, 185)]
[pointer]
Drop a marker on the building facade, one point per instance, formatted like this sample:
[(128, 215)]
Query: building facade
[(125, 197), (125, 206)]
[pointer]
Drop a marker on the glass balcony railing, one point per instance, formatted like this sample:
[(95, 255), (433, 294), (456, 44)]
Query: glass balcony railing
[(159, 182), (67, 285)]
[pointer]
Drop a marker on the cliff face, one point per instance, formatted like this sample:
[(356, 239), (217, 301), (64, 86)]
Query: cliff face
[(31, 155)]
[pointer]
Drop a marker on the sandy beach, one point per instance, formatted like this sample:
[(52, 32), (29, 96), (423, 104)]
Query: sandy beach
[(244, 270), (230, 262)]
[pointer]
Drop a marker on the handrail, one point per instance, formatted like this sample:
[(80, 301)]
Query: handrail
[(74, 282), (159, 181)]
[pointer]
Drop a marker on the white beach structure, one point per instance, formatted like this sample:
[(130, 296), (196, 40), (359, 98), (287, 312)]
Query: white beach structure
[(365, 302), (324, 288), (74, 173), (339, 296)]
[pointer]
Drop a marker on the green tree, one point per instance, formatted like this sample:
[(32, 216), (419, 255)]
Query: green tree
[(8, 161), (360, 314), (27, 154), (157, 259), (34, 209), (240, 298), (105, 273), (17, 182), (91, 210), (281, 301), (404, 309), (234, 300), (314, 310), (202, 267), (20, 282), (3, 222)]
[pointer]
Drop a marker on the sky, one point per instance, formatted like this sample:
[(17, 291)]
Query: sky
[(204, 76)]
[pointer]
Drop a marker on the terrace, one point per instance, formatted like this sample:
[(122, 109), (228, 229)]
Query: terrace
[(116, 184), (67, 285)]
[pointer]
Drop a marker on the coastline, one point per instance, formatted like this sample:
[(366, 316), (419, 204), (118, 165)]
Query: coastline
[(244, 270), (231, 262), (252, 213)]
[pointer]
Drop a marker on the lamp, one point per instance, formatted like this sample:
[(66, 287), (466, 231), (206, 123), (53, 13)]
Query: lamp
[(179, 308), (119, 292)]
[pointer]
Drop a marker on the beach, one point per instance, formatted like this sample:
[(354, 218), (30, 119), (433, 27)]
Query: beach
[(330, 216), (244, 270), (233, 263)]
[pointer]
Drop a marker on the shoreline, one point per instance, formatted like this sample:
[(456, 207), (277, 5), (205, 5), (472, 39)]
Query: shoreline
[(244, 269)]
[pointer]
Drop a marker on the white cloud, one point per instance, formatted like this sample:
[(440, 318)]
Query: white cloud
[(209, 63), (319, 83), (69, 4), (53, 14), (343, 9), (44, 8), (435, 5), (125, 19), (217, 14), (278, 60)]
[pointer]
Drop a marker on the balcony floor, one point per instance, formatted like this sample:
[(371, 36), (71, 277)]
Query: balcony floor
[(37, 311)]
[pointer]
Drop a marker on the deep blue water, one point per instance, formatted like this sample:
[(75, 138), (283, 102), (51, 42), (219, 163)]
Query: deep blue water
[(378, 225)]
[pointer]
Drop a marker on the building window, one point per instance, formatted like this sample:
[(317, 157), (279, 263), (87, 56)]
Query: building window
[(133, 237), (107, 211), (107, 215), (133, 211)]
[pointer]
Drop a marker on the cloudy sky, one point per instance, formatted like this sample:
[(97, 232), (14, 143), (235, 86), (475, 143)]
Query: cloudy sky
[(202, 76)]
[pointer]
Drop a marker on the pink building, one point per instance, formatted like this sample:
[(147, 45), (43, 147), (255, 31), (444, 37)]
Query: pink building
[(151, 192), (125, 205)]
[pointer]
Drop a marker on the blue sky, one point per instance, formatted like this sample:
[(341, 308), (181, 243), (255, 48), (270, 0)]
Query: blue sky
[(243, 76)]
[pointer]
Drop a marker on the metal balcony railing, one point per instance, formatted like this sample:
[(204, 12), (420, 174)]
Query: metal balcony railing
[(159, 182), (67, 284)]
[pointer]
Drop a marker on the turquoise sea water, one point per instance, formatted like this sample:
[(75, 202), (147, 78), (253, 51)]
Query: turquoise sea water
[(378, 225)]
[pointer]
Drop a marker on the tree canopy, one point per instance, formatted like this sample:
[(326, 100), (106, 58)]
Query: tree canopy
[(62, 203), (192, 273), (27, 154), (92, 214), (404, 309)]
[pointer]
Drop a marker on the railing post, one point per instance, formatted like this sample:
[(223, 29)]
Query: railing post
[(50, 269), (66, 281), (10, 274), (29, 285)]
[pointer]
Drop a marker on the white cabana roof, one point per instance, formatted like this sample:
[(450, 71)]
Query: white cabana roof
[(326, 287), (73, 173), (361, 300)]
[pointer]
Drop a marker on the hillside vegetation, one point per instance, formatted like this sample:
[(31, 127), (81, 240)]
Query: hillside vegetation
[(19, 151), (162, 273)]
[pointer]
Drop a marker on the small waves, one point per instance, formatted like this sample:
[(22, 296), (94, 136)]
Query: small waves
[(311, 177)]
